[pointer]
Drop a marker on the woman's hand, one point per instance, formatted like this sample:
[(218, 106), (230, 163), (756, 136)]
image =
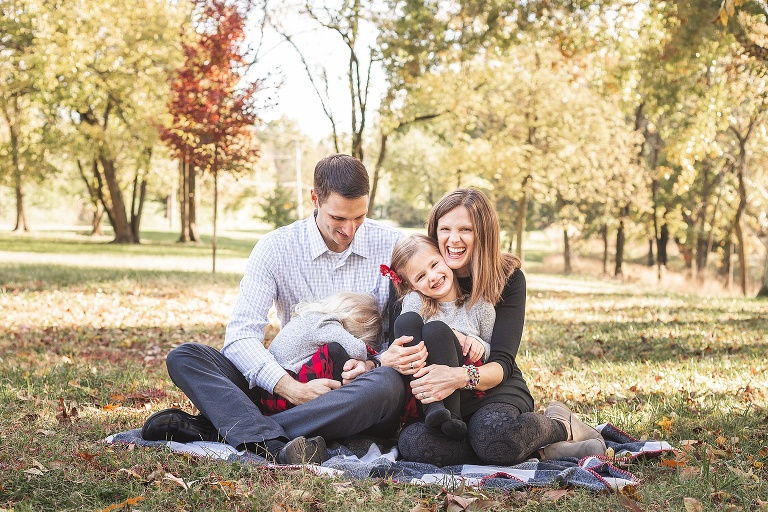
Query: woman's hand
[(406, 360), (436, 382)]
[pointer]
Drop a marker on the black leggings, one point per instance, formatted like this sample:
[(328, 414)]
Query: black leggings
[(498, 434), (442, 347)]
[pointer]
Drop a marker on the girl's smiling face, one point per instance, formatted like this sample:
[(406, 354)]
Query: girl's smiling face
[(427, 273), (456, 239)]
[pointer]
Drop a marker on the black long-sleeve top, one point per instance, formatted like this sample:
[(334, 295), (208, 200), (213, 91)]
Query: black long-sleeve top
[(505, 342)]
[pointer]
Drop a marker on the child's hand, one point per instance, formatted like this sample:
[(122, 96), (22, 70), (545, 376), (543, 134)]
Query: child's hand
[(470, 346), (476, 349)]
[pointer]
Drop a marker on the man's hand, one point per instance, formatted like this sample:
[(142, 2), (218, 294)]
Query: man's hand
[(354, 368), (298, 393)]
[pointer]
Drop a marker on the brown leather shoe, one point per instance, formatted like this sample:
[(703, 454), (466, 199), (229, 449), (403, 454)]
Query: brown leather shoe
[(177, 425)]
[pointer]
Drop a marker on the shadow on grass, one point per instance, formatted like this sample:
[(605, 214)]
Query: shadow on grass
[(39, 277)]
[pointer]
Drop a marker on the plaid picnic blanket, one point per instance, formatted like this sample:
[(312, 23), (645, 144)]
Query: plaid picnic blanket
[(363, 458)]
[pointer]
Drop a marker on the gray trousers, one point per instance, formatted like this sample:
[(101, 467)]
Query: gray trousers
[(371, 404)]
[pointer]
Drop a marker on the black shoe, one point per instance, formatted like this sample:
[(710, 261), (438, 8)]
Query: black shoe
[(303, 451), (177, 425)]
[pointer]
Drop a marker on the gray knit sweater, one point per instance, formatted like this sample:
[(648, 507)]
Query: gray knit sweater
[(476, 322), (300, 338)]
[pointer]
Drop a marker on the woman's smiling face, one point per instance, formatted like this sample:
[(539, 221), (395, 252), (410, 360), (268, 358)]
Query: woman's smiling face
[(456, 239)]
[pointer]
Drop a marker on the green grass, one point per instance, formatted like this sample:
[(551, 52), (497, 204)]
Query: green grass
[(83, 322)]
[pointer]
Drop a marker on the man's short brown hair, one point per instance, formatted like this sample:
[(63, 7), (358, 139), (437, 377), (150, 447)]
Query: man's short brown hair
[(342, 174)]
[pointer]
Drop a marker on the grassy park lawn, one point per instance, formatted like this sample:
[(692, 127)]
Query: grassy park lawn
[(85, 326)]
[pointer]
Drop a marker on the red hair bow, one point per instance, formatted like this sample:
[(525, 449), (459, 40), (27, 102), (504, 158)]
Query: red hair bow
[(388, 272)]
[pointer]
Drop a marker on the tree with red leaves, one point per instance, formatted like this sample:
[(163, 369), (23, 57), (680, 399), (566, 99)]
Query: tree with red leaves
[(213, 105)]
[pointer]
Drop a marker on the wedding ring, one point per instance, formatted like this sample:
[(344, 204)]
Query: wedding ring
[(411, 365), (421, 396)]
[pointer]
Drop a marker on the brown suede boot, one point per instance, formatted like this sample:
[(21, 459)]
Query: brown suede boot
[(577, 430)]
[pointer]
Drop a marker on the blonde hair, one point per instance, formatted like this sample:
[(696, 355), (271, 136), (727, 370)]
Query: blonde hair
[(490, 268), (405, 249), (358, 313)]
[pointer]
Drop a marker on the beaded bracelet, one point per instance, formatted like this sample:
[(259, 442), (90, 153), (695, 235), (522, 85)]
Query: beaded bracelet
[(473, 376)]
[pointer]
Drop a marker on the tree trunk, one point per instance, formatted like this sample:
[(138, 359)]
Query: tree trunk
[(764, 288), (21, 212), (215, 215), (14, 121), (619, 249), (661, 247), (604, 233), (620, 241), (97, 224), (183, 194), (99, 191), (122, 227), (193, 234), (742, 252), (139, 194), (566, 252), (741, 167), (187, 185), (376, 172), (651, 259), (522, 212)]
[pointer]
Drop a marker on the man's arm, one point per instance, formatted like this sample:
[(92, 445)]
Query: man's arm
[(244, 342)]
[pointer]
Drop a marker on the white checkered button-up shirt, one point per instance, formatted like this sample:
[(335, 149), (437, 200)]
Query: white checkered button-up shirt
[(293, 264)]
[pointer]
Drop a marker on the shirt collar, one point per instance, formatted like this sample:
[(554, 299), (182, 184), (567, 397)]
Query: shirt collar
[(317, 245)]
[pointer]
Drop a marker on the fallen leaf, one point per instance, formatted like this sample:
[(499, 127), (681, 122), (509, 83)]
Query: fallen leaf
[(33, 471), (110, 407), (630, 491), (555, 494), (666, 424), (629, 504), (672, 463), (690, 473), (421, 508), (122, 505), (67, 411), (342, 487), (693, 505), (131, 473), (176, 480)]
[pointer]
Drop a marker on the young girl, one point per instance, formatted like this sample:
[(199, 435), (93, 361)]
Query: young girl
[(434, 310), (321, 337)]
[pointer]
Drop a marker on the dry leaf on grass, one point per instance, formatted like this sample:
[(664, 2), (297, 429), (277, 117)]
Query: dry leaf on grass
[(122, 505), (666, 424), (693, 505), (556, 494), (67, 411), (342, 487), (628, 503)]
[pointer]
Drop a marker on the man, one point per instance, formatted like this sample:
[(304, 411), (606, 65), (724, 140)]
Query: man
[(335, 249)]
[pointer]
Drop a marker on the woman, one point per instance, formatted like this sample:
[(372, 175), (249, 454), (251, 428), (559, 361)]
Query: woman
[(502, 429)]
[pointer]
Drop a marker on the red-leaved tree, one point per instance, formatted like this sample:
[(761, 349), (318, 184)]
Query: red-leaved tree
[(213, 106)]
